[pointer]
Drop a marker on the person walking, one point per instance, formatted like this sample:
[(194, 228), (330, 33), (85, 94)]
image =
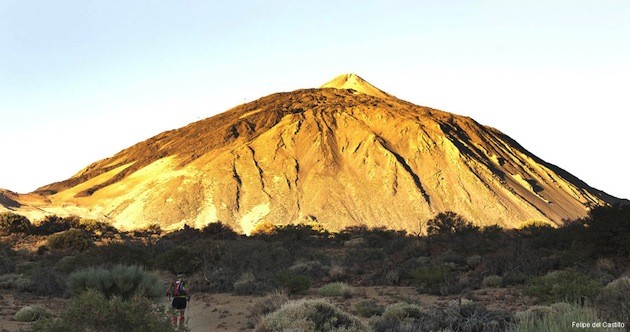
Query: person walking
[(180, 293)]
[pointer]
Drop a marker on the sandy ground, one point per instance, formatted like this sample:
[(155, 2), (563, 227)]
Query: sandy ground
[(226, 312)]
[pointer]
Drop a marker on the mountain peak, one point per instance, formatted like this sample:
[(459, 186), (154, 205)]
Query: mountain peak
[(356, 83)]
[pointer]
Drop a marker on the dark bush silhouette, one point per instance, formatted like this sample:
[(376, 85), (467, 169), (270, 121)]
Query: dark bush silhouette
[(607, 230), (218, 231), (449, 224), (55, 224), (11, 223)]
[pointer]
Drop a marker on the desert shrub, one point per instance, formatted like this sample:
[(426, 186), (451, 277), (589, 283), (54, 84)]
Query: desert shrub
[(354, 242), (92, 311), (448, 224), (456, 316), (471, 316), (293, 233), (73, 240), (218, 231), (431, 274), (563, 286), (402, 311), (14, 281), (264, 306), (337, 272), (128, 253), (606, 231), (557, 317), (293, 283), (98, 228), (392, 277), (369, 308), (309, 316), (337, 289), (7, 259), (247, 284), (228, 260), (11, 223), (55, 224), (46, 280), (180, 259), (473, 261), (313, 269), (31, 313), (606, 265), (216, 280), (492, 281), (123, 281), (400, 317), (263, 228), (612, 302)]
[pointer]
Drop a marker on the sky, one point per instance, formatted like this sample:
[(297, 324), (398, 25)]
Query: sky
[(81, 80)]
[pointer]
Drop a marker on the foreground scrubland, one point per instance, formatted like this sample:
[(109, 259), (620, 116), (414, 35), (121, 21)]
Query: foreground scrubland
[(457, 277)]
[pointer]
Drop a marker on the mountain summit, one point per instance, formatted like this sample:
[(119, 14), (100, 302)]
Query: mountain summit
[(343, 155), (355, 83)]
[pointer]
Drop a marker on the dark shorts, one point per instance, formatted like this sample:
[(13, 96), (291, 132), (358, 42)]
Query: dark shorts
[(179, 303)]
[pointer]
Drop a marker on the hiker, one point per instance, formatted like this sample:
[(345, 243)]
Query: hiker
[(181, 295)]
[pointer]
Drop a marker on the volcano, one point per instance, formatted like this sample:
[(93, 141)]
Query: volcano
[(342, 155)]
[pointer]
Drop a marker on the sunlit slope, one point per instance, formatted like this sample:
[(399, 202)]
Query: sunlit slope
[(335, 156)]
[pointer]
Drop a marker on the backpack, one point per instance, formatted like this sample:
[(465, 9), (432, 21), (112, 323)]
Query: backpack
[(178, 288)]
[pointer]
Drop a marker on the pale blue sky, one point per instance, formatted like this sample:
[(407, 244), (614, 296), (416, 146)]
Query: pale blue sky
[(81, 80)]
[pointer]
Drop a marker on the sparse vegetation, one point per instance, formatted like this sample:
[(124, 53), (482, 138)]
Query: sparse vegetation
[(294, 283), (563, 286), (339, 289), (553, 318), (568, 263), (73, 240), (31, 313), (92, 311), (369, 308), (123, 281), (310, 316), (264, 306), (612, 302)]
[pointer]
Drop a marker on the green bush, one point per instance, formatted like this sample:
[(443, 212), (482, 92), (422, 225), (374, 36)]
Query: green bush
[(123, 281), (613, 302), (310, 316), (294, 283), (431, 275), (73, 240), (11, 223), (563, 286), (264, 306), (92, 311), (369, 308), (555, 318), (402, 311), (337, 289), (492, 281), (31, 313)]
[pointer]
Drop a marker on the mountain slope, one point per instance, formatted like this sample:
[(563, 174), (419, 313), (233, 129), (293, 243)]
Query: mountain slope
[(335, 156)]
